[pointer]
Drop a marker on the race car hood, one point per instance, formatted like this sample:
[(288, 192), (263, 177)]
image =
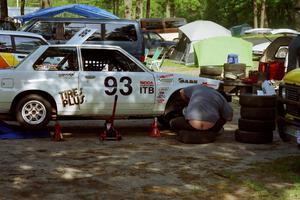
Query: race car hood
[(184, 80)]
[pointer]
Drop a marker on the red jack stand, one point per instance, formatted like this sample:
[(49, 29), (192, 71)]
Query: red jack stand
[(154, 129), (57, 135), (110, 133)]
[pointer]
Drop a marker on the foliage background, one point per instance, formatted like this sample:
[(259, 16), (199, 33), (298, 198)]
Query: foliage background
[(279, 13)]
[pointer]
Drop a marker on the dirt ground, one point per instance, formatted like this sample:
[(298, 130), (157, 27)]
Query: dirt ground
[(137, 167)]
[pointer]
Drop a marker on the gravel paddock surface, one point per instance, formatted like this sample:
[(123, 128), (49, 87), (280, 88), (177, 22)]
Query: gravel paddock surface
[(137, 167)]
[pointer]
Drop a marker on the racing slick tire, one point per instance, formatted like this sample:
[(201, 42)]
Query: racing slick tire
[(252, 100), (196, 137), (211, 70), (254, 137), (164, 120), (281, 124), (258, 113), (234, 67), (33, 112), (256, 125)]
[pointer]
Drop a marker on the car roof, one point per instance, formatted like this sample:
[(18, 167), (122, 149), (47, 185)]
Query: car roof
[(20, 33), (105, 46)]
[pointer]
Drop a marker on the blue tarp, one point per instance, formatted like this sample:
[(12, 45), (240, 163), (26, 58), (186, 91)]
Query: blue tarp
[(13, 132), (79, 9)]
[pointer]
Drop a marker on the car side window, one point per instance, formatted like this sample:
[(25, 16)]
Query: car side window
[(120, 32), (5, 43), (155, 36), (57, 59), (105, 60), (27, 44)]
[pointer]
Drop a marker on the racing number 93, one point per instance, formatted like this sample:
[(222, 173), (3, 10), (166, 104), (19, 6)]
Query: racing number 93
[(111, 84)]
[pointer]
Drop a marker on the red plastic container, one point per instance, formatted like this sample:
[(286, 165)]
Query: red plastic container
[(274, 70)]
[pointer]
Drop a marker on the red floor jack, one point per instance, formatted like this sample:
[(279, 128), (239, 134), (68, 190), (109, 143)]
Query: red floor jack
[(110, 133)]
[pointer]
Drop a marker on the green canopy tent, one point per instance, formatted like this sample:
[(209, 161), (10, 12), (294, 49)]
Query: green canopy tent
[(214, 51)]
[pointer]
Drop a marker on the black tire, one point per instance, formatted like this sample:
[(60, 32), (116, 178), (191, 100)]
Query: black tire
[(196, 137), (211, 70), (234, 67), (253, 137), (256, 125), (33, 112), (164, 120), (281, 124), (170, 51), (258, 113), (252, 100)]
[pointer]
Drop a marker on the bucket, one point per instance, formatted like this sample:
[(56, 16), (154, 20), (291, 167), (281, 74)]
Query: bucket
[(232, 58)]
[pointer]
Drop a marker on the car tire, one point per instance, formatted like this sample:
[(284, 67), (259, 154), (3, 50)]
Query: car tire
[(258, 113), (234, 67), (170, 51), (211, 70), (256, 125), (164, 120), (281, 124), (254, 137), (196, 137), (33, 112), (252, 100)]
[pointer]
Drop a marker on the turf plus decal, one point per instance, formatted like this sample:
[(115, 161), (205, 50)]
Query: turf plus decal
[(72, 97)]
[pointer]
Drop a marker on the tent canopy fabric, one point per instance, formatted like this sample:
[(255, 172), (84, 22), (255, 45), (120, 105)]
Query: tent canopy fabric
[(202, 29), (79, 9), (214, 51)]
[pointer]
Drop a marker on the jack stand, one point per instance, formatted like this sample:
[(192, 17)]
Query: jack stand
[(110, 133), (57, 135)]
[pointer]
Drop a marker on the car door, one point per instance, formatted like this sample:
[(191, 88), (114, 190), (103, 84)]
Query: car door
[(110, 72), (58, 68)]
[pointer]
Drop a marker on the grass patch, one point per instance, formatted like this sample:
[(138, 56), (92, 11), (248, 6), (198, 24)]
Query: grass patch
[(169, 63), (279, 179)]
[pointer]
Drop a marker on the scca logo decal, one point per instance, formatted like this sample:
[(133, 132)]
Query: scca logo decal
[(72, 97)]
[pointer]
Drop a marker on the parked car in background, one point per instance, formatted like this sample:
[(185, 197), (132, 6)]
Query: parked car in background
[(7, 25), (16, 45), (153, 40), (119, 32), (81, 81), (272, 61), (166, 27)]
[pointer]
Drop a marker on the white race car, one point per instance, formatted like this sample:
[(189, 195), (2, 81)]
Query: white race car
[(81, 81)]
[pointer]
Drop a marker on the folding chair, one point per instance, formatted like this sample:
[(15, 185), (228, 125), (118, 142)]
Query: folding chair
[(155, 62)]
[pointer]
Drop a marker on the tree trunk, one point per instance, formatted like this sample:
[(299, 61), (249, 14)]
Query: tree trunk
[(172, 8), (148, 9), (3, 10), (46, 3), (255, 14), (168, 14), (128, 5), (117, 7), (22, 7), (139, 9), (297, 15), (263, 16)]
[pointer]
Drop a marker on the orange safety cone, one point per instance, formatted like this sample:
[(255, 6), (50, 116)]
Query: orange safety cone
[(154, 129), (57, 135)]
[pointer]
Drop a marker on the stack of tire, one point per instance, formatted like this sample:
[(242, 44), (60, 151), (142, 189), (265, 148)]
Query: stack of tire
[(257, 121), (214, 72)]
